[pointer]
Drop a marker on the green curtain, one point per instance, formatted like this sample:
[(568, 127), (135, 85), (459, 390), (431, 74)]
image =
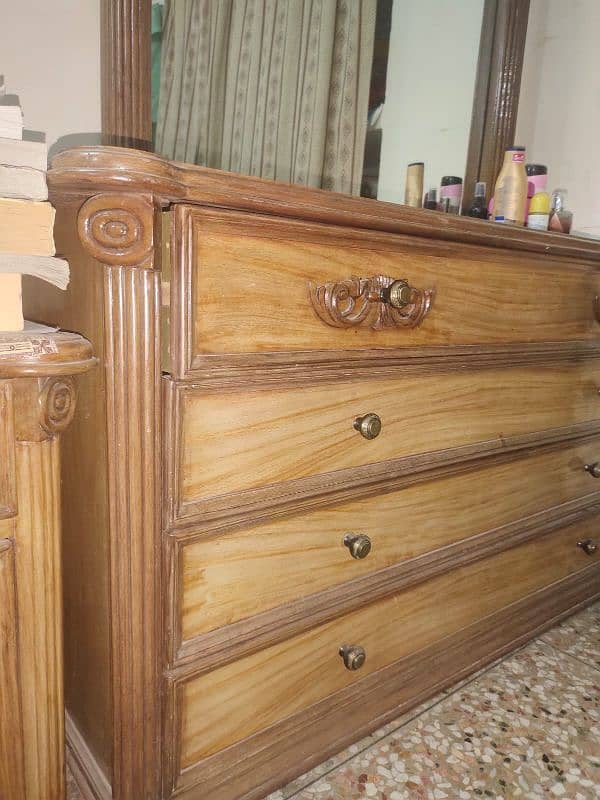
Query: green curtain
[(275, 88)]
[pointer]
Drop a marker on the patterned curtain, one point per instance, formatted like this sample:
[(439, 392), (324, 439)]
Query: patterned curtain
[(274, 88)]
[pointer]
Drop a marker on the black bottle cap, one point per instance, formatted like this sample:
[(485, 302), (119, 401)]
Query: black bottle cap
[(536, 169), (516, 147), (450, 180)]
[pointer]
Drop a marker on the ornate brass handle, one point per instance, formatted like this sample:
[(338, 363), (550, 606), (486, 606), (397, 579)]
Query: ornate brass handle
[(354, 656), (588, 546), (358, 544), (593, 469), (377, 302), (368, 426)]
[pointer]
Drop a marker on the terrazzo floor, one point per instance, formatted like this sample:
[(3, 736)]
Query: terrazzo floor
[(526, 727)]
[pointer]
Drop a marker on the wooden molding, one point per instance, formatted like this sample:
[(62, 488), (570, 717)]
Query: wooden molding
[(125, 70), (269, 759), (219, 646), (8, 489), (88, 775), (114, 169), (497, 88)]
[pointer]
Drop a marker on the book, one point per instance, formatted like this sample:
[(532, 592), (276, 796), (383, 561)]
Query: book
[(11, 305), (23, 183), (26, 227), (11, 122), (49, 268), (20, 153)]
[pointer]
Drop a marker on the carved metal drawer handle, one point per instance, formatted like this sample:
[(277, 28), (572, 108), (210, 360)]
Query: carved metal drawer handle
[(377, 302), (588, 546), (368, 426), (593, 469), (358, 544), (354, 656)]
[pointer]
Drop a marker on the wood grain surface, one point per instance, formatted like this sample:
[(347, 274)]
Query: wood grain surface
[(226, 705), (12, 776), (226, 578), (247, 284), (224, 436)]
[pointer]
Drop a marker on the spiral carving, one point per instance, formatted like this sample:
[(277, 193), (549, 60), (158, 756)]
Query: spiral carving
[(118, 229), (360, 302), (57, 404)]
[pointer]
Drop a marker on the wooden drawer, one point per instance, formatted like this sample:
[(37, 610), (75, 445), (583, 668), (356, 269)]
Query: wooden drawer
[(229, 577), (228, 442), (245, 285), (224, 706)]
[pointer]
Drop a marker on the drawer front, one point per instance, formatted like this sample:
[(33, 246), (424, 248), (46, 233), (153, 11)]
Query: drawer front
[(234, 701), (251, 285), (226, 442), (233, 576)]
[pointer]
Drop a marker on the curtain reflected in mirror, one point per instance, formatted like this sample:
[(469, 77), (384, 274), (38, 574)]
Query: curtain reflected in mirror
[(333, 94)]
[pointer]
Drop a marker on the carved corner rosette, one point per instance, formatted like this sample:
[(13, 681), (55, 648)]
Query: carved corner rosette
[(118, 229), (378, 302), (44, 407)]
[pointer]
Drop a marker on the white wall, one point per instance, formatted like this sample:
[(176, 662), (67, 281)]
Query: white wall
[(559, 106), (434, 45), (50, 58)]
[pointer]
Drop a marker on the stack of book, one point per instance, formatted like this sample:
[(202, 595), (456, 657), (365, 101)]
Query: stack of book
[(26, 218)]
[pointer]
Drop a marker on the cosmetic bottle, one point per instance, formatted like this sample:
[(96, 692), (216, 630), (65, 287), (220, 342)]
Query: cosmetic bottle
[(560, 219), (451, 190), (537, 178), (413, 191), (510, 192), (539, 211), (430, 201), (478, 207)]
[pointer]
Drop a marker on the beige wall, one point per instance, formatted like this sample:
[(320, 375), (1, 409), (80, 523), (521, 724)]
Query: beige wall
[(559, 108), (50, 58)]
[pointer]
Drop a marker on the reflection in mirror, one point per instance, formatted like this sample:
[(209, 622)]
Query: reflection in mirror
[(336, 94), (432, 66)]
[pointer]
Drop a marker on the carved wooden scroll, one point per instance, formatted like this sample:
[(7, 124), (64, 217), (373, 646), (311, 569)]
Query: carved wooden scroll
[(377, 302)]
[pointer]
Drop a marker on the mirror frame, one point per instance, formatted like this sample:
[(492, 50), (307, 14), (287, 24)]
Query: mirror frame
[(125, 48)]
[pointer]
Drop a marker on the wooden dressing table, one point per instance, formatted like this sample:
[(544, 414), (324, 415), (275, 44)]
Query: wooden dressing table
[(338, 454)]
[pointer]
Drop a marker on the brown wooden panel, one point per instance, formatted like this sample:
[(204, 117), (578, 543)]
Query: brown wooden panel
[(231, 442), (7, 454), (241, 286), (222, 707), (11, 732), (235, 575)]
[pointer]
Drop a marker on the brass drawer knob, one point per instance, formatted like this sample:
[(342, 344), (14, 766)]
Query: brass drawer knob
[(593, 469), (353, 655), (368, 426), (398, 294), (358, 544), (588, 546)]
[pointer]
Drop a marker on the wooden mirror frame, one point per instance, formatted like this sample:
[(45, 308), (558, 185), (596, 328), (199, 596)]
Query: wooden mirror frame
[(127, 90)]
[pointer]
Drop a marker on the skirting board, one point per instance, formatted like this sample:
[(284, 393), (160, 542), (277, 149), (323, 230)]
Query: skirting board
[(88, 775)]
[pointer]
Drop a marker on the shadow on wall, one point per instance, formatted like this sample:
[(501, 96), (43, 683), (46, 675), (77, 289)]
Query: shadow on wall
[(72, 140)]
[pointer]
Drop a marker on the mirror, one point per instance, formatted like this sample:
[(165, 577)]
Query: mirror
[(451, 87)]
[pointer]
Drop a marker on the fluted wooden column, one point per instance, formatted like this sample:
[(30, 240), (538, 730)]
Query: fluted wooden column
[(39, 404)]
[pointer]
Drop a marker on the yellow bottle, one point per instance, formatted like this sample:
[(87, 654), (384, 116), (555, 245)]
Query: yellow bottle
[(510, 193)]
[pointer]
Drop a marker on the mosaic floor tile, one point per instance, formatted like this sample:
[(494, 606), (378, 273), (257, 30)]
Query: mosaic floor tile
[(529, 728), (579, 636)]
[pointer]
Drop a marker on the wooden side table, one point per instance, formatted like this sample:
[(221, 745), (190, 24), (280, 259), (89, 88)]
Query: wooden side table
[(37, 402)]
